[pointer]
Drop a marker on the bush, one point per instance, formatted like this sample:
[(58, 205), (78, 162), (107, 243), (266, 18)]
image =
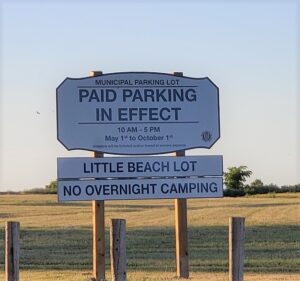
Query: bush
[(35, 191), (251, 190), (51, 188), (271, 188), (229, 192), (291, 188), (265, 189)]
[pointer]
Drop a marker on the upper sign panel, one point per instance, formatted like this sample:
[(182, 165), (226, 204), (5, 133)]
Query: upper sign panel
[(137, 113)]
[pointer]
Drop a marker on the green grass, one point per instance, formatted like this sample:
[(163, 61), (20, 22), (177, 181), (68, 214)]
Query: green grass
[(58, 237), (269, 249)]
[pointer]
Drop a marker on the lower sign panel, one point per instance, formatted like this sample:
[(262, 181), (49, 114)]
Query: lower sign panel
[(127, 189)]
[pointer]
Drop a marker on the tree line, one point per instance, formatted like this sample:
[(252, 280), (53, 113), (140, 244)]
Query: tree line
[(234, 180)]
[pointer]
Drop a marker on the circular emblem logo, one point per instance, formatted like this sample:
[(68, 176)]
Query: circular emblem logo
[(206, 136)]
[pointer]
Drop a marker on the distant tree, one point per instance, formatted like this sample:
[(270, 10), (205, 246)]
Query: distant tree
[(255, 187), (257, 183), (290, 188), (236, 177), (51, 187)]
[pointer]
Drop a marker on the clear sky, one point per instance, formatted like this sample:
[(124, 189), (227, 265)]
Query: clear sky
[(250, 49)]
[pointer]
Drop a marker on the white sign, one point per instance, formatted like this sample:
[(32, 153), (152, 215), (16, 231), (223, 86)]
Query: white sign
[(121, 167), (137, 113), (127, 189)]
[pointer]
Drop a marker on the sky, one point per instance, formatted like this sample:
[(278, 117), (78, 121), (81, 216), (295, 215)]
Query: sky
[(249, 49)]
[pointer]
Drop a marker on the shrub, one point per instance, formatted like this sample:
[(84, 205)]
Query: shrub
[(229, 192), (51, 188)]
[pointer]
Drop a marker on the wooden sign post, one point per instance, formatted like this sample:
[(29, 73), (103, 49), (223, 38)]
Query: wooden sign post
[(138, 113), (181, 233), (98, 227), (182, 254)]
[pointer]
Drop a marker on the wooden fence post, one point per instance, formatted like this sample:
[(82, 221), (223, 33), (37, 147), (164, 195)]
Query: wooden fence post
[(236, 248), (98, 227), (182, 253), (118, 249), (12, 250)]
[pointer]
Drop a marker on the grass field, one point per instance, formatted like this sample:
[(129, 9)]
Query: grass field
[(56, 238)]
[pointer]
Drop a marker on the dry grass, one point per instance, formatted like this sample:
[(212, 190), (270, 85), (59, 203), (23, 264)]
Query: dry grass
[(44, 211), (53, 275)]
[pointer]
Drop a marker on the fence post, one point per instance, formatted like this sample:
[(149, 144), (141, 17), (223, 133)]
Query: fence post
[(236, 248), (12, 250), (118, 249)]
